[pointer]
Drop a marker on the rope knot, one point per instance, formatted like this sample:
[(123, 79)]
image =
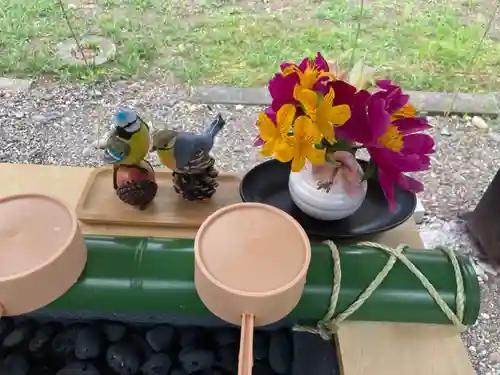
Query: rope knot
[(329, 325), (327, 329)]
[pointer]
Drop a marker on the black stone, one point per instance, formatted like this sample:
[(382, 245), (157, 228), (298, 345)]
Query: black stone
[(19, 335), (41, 369), (89, 342), (260, 346), (262, 368), (157, 364), (15, 364), (280, 351), (227, 358), (320, 359), (41, 339), (190, 337), (178, 371), (114, 331), (226, 336), (6, 326), (142, 345), (63, 344), (211, 371), (196, 359), (124, 358), (160, 337), (79, 368)]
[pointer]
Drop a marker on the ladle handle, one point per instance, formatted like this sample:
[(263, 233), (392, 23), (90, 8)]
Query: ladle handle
[(245, 362)]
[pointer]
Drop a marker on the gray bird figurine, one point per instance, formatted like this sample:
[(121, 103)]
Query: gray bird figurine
[(188, 156)]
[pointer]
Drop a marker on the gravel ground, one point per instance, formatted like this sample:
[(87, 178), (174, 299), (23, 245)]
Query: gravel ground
[(58, 125)]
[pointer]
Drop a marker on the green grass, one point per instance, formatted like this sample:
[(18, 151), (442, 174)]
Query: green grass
[(422, 47)]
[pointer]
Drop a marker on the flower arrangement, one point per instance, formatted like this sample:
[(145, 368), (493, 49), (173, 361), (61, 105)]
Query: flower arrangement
[(318, 113)]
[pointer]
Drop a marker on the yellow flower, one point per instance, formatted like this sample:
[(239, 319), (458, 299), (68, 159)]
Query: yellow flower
[(322, 111), (309, 76), (273, 134), (300, 146)]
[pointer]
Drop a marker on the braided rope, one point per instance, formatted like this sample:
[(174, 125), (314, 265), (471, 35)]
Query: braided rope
[(329, 325)]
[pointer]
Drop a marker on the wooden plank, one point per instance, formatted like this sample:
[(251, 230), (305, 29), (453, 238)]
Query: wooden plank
[(364, 347), (401, 349), (397, 348)]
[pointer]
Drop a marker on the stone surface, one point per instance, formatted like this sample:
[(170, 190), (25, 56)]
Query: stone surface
[(226, 337), (124, 358), (280, 351), (157, 364), (106, 52), (160, 338), (430, 102), (15, 364), (79, 368), (320, 358), (439, 103), (114, 331), (193, 360), (419, 213), (91, 348), (89, 343), (19, 335), (230, 95), (260, 346), (11, 84), (40, 341)]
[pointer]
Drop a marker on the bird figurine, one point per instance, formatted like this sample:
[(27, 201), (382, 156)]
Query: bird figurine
[(126, 148), (188, 156)]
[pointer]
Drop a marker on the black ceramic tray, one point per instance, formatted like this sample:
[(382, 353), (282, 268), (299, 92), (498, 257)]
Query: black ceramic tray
[(268, 183)]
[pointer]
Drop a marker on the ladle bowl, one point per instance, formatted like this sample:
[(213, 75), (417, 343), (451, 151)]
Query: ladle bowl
[(251, 262), (42, 252)]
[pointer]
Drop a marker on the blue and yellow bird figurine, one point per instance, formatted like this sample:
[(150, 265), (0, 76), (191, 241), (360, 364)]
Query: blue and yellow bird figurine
[(188, 156), (126, 148)]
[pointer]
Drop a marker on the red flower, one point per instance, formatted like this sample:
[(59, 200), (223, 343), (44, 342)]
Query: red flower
[(384, 123), (391, 167)]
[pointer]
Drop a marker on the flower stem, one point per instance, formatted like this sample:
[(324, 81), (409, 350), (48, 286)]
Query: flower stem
[(358, 32)]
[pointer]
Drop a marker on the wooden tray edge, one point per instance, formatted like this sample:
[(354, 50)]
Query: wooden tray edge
[(92, 220), (80, 211)]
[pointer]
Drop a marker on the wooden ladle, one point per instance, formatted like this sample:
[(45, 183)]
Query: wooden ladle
[(251, 262), (42, 252)]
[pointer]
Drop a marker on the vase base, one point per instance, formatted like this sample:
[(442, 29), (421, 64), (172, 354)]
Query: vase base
[(334, 204)]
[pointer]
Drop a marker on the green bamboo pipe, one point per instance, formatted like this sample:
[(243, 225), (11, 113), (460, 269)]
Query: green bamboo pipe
[(155, 275)]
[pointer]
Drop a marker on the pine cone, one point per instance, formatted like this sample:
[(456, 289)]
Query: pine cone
[(198, 181), (195, 187), (138, 193)]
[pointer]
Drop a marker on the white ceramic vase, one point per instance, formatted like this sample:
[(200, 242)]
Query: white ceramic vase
[(332, 204)]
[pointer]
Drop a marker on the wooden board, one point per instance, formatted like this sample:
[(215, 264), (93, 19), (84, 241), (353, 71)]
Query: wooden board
[(401, 348), (365, 347), (100, 205)]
